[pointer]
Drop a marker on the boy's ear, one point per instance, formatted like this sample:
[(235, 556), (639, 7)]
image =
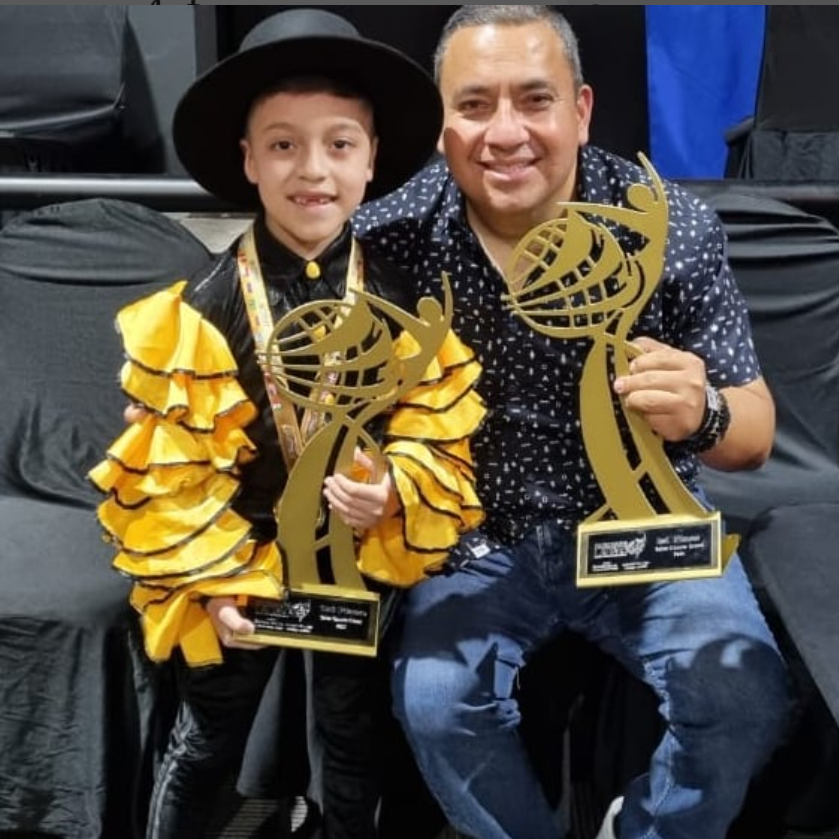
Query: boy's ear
[(247, 161)]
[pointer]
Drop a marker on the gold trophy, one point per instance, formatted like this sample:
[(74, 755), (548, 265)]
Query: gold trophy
[(570, 278), (335, 363)]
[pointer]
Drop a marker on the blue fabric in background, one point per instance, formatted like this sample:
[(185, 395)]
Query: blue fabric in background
[(703, 65)]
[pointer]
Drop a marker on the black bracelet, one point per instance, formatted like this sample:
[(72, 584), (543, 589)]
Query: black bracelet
[(715, 422)]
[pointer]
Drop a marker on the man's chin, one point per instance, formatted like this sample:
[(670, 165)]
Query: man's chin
[(509, 202)]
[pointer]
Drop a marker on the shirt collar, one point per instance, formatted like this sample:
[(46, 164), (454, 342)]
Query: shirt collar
[(283, 268)]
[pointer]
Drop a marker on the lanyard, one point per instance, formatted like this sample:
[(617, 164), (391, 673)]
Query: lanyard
[(291, 432)]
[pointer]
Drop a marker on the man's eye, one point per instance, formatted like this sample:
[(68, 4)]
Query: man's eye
[(540, 100), (471, 107)]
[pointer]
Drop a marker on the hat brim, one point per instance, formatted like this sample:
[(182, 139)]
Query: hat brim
[(210, 118)]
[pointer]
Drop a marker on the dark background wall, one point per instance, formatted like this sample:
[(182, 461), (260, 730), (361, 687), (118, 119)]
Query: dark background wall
[(171, 44), (612, 43)]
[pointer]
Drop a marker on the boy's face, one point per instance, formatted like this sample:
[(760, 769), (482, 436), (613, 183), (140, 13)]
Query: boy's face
[(311, 156)]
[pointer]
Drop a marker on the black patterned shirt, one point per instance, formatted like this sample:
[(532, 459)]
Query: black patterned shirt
[(531, 461)]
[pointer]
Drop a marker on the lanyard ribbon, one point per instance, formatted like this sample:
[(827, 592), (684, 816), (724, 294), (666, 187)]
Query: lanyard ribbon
[(292, 432)]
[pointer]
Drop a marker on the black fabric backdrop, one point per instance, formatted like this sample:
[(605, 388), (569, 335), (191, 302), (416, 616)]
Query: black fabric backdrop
[(794, 135), (79, 706)]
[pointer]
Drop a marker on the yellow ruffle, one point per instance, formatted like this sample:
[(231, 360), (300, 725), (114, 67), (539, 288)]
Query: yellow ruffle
[(174, 617), (170, 480), (427, 447)]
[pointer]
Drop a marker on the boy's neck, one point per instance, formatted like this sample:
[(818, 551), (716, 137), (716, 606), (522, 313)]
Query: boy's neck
[(305, 251)]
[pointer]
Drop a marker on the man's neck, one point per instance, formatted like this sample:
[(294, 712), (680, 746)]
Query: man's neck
[(497, 243)]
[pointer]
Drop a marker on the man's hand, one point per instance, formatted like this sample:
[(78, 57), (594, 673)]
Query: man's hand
[(667, 386), (364, 499)]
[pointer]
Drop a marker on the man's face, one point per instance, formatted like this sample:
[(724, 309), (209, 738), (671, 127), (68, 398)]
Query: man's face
[(513, 122), (311, 156)]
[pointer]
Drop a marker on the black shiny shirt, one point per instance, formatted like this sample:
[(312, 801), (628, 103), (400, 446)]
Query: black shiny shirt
[(218, 296)]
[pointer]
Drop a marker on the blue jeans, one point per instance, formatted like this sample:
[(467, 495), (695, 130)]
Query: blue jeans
[(702, 646)]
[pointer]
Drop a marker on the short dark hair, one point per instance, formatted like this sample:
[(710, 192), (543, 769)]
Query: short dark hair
[(479, 15)]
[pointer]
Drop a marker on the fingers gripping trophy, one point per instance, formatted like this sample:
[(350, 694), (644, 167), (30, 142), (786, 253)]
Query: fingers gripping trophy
[(570, 278), (335, 363)]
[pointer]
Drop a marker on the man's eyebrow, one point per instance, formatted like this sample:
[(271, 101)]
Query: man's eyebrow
[(471, 90), (537, 83)]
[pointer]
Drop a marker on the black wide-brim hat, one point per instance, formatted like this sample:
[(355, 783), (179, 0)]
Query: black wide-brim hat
[(209, 120)]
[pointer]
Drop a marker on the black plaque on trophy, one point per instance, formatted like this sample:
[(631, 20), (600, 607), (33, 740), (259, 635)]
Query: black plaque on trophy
[(323, 617), (620, 552)]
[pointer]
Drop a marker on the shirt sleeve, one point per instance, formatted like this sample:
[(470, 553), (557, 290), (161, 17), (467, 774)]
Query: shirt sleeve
[(429, 457), (170, 480)]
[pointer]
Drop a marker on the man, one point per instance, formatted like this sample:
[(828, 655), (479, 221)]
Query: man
[(515, 140)]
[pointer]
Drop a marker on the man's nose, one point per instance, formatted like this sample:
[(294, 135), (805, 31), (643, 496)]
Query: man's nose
[(506, 127)]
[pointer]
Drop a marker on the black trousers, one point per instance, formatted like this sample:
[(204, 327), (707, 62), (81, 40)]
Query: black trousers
[(347, 701), (349, 706)]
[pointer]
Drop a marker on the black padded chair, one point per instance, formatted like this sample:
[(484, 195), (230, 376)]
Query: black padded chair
[(81, 710), (74, 96), (787, 265), (794, 133)]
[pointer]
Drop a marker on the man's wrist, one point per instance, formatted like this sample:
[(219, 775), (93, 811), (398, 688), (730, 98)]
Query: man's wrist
[(715, 421)]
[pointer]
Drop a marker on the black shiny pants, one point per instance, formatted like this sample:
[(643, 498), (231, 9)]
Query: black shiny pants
[(346, 698)]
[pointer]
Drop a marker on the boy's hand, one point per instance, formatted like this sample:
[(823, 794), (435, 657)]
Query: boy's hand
[(229, 622), (134, 412), (362, 499)]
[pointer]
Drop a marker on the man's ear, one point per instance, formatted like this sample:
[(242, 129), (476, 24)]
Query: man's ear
[(371, 167)]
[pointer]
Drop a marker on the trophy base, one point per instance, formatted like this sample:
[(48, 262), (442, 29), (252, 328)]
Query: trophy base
[(661, 548), (317, 617)]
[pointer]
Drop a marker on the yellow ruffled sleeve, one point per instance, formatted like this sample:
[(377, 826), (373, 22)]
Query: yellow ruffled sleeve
[(171, 479), (429, 457)]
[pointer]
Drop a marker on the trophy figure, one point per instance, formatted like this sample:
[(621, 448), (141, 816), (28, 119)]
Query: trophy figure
[(336, 363), (570, 278)]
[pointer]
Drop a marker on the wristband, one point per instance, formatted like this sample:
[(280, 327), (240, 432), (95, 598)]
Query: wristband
[(715, 422)]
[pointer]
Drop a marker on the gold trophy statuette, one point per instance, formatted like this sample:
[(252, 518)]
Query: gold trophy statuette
[(570, 278), (336, 363)]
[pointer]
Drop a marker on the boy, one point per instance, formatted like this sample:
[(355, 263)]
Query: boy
[(305, 121)]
